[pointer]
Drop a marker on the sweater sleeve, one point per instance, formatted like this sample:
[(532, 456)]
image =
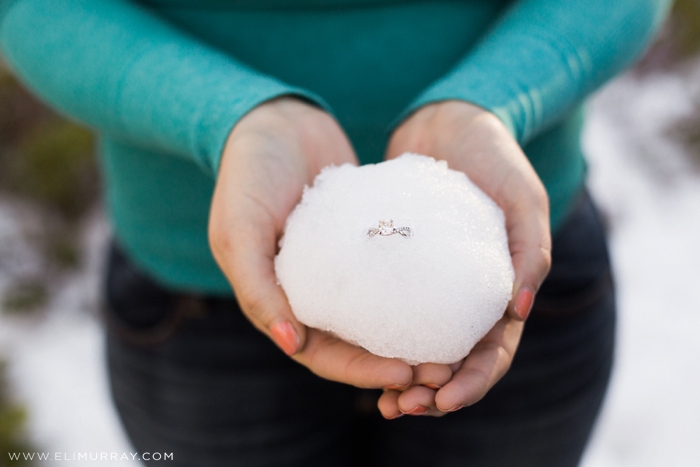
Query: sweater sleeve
[(543, 57), (124, 71)]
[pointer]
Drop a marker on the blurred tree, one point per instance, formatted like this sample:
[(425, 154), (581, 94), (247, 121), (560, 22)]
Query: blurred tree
[(685, 26), (678, 42), (43, 157), (684, 36), (48, 161), (677, 51)]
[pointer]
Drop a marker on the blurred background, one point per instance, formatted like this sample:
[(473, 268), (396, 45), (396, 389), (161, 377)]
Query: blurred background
[(643, 144)]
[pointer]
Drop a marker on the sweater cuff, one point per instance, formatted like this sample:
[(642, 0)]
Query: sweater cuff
[(221, 119), (542, 58), (525, 87)]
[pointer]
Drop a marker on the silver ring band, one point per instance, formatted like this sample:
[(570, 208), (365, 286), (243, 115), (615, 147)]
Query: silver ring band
[(386, 228)]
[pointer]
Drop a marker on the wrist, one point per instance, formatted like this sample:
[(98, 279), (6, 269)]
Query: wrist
[(283, 111), (448, 110), (433, 125), (283, 118)]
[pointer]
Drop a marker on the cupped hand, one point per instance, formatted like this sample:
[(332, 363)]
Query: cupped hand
[(270, 155), (477, 143)]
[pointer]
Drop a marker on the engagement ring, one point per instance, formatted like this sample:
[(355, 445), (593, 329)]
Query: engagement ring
[(387, 228)]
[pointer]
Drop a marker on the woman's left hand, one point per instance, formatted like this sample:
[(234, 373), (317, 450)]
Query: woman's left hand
[(477, 143), (438, 389)]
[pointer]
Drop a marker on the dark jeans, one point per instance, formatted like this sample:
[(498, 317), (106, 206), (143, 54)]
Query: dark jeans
[(191, 376)]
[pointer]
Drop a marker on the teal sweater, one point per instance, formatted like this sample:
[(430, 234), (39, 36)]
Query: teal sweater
[(164, 81)]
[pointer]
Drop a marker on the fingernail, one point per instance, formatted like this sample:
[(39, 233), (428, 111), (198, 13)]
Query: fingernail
[(285, 336), (523, 304), (432, 386), (397, 386), (420, 410), (396, 416), (455, 408)]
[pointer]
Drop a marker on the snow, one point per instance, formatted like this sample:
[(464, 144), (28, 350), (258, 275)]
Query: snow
[(645, 184), (430, 296), (56, 359), (651, 191)]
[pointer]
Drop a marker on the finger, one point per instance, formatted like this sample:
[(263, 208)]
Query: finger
[(264, 302), (245, 251), (431, 375), (503, 171), (529, 241), (418, 400), (488, 361), (333, 359), (388, 404)]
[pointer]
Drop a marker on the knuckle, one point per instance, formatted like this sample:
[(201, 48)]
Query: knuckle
[(543, 261), (350, 370), (546, 257), (542, 264), (253, 306), (480, 384), (540, 195), (220, 238), (505, 358)]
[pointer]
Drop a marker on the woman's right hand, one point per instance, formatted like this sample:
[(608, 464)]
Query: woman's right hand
[(271, 154)]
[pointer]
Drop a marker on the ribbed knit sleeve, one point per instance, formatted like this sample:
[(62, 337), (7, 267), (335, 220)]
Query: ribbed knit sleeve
[(124, 71), (543, 57)]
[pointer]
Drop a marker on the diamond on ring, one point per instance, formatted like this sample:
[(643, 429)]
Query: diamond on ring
[(386, 228)]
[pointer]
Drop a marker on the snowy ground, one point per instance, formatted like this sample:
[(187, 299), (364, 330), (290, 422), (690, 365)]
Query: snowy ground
[(56, 359), (645, 184), (651, 191)]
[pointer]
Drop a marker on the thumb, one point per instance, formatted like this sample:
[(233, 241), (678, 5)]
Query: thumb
[(264, 302), (529, 241), (247, 259)]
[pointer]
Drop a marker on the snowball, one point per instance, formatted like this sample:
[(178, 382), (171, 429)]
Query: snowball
[(428, 295)]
